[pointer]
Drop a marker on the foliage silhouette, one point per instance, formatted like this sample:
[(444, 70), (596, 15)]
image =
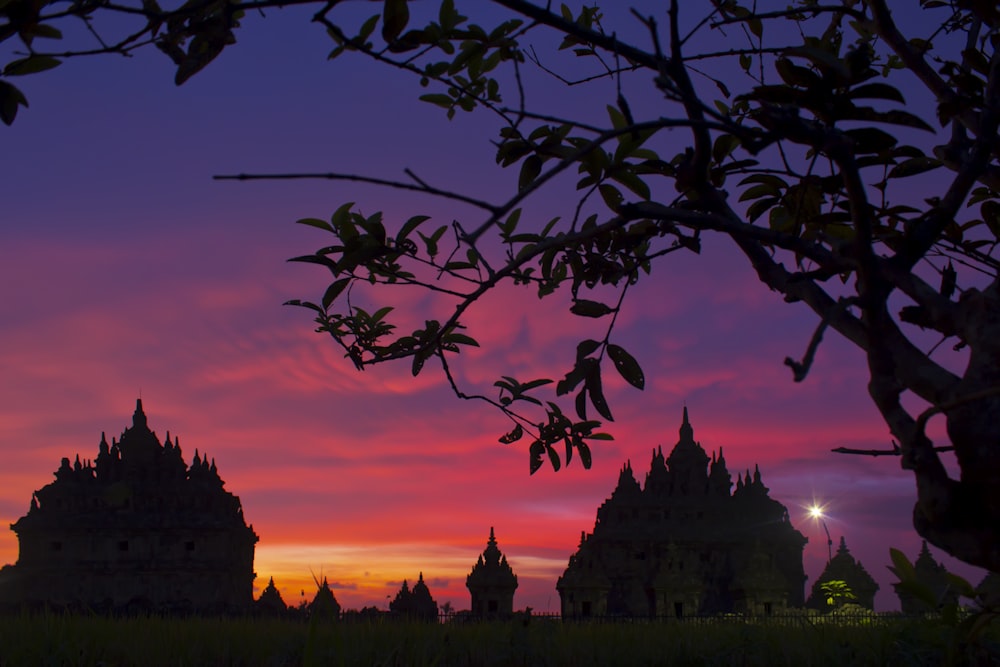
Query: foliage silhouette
[(837, 592), (876, 209)]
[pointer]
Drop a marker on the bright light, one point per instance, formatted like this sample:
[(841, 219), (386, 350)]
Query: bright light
[(816, 512)]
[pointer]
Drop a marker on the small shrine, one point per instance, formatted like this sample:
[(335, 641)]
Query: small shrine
[(270, 602), (492, 582), (416, 603), (324, 604), (844, 567), (932, 574)]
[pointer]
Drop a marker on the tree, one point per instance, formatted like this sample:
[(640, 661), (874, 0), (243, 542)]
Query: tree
[(798, 149)]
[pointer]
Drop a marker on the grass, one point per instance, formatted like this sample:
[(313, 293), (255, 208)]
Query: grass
[(64, 641)]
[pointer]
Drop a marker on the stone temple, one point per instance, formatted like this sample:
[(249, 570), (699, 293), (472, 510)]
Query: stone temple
[(136, 530), (492, 582), (686, 543)]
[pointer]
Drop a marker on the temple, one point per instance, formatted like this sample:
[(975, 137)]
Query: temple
[(934, 576), (416, 604), (844, 567), (136, 530), (684, 544), (492, 582)]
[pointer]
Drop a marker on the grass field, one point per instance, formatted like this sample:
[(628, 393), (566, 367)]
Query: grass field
[(62, 640)]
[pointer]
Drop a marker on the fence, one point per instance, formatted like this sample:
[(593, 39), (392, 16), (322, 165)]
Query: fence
[(797, 619)]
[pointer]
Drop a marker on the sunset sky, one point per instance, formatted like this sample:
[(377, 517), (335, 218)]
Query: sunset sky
[(126, 270)]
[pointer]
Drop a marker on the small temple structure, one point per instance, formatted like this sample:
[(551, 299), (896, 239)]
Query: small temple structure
[(324, 604), (685, 543), (270, 602), (932, 574), (415, 604), (492, 582), (136, 530), (844, 567)]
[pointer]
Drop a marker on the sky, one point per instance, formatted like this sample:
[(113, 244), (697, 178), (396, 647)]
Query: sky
[(126, 271)]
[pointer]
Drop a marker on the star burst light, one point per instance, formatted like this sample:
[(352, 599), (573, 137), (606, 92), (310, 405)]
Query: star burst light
[(818, 512)]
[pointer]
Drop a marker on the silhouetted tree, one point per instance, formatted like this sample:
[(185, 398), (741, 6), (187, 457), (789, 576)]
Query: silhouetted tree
[(882, 219)]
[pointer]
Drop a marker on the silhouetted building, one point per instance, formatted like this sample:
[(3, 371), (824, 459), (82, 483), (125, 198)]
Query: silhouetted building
[(492, 582), (137, 529), (324, 604), (843, 567), (270, 602), (415, 604), (683, 544), (932, 574)]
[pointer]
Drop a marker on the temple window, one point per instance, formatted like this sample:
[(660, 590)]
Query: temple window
[(189, 546), (123, 545)]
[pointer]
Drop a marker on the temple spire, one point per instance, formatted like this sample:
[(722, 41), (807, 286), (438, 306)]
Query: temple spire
[(139, 417), (686, 432)]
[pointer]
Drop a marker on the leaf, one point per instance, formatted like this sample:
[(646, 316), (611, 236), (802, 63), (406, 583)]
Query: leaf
[(990, 210), (340, 216), (10, 99), (586, 308), (530, 170), (903, 567), (418, 362), (395, 16), (585, 457), (316, 259), (553, 457), (871, 139), (304, 304), (913, 166), (440, 99), (534, 384), (585, 348), (410, 225), (618, 121), (627, 366), (460, 339), (795, 75), (535, 455), (824, 60), (628, 178), (334, 290), (580, 403), (315, 222), (30, 65), (961, 585), (596, 392), (513, 436), (611, 195), (880, 91)]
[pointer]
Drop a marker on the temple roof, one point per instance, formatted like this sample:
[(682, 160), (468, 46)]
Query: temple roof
[(687, 453), (135, 481), (492, 568), (843, 566)]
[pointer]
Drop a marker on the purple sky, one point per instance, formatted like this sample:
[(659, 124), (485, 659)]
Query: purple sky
[(126, 269)]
